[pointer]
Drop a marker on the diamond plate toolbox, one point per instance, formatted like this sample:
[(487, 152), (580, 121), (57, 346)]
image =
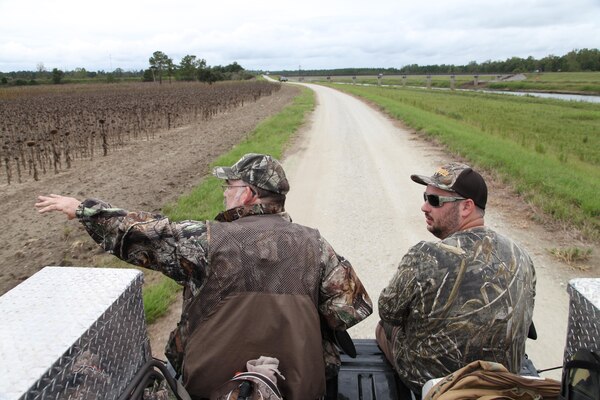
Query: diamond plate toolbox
[(584, 316), (72, 333)]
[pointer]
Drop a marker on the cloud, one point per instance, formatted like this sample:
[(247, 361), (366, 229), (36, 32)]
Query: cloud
[(274, 35)]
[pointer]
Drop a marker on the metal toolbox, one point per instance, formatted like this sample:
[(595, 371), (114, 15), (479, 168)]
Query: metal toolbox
[(72, 333), (584, 316)]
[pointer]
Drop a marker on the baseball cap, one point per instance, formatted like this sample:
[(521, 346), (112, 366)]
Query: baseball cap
[(458, 178), (260, 170)]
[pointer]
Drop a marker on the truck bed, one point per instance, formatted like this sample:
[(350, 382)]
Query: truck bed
[(369, 375)]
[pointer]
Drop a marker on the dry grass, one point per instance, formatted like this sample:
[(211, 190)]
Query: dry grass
[(573, 256)]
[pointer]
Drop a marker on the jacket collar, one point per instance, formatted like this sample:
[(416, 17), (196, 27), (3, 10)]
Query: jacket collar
[(255, 209)]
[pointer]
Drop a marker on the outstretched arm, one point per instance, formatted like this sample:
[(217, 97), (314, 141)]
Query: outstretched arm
[(55, 202), (177, 249)]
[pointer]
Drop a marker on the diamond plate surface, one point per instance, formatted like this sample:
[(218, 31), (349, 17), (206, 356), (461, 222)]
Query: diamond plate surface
[(72, 333), (584, 316)]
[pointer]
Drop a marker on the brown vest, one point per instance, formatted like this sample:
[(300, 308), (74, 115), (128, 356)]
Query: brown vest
[(260, 297)]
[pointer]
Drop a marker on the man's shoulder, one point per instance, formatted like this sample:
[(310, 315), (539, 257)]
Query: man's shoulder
[(485, 240), (459, 243)]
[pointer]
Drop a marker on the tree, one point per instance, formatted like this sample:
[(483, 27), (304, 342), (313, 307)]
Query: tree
[(589, 59), (171, 68), (80, 73), (550, 63), (159, 62), (57, 76), (571, 62), (210, 75), (234, 67), (188, 67)]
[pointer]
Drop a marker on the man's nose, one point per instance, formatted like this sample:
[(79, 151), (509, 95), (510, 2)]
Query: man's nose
[(425, 207)]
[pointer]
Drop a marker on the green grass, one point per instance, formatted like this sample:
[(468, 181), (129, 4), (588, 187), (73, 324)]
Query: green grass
[(548, 149), (206, 201), (158, 297)]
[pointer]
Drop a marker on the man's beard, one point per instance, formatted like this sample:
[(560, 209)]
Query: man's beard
[(447, 225)]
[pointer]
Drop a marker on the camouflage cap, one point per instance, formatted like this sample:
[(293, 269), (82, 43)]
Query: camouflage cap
[(458, 178), (260, 170)]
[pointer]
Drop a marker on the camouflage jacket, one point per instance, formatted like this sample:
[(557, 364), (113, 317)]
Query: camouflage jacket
[(180, 249), (469, 297)]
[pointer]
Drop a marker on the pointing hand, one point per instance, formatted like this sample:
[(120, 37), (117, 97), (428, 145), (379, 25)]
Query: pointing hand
[(55, 202)]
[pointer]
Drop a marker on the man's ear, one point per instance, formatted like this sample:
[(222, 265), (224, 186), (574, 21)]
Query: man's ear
[(467, 207), (248, 196)]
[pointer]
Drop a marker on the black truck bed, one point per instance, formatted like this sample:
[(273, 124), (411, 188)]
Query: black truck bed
[(368, 376)]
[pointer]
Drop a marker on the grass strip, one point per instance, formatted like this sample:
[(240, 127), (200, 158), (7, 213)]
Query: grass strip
[(158, 297), (559, 173), (205, 201)]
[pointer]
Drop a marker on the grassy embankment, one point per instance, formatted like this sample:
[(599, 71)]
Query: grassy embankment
[(565, 82), (548, 150), (205, 201), (576, 82)]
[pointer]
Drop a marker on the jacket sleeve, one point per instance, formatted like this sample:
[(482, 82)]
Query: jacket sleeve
[(177, 249), (343, 300)]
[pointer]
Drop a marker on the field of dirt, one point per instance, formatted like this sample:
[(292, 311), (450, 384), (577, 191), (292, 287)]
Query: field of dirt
[(144, 175)]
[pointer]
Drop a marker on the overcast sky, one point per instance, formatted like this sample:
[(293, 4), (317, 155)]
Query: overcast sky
[(275, 35)]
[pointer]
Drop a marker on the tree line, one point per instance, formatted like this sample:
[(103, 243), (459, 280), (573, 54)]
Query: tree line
[(573, 61), (191, 68), (160, 66)]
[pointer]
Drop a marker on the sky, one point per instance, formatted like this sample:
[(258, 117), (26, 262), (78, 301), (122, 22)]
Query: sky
[(284, 35)]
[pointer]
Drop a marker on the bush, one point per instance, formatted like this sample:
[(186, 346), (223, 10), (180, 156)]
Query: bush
[(148, 77), (57, 76)]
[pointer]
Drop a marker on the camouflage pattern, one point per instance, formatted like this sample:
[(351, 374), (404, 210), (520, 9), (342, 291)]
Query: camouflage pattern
[(444, 178), (180, 251), (469, 297), (259, 170)]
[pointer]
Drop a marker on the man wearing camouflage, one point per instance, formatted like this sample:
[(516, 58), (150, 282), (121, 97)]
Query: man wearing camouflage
[(255, 284), (467, 297)]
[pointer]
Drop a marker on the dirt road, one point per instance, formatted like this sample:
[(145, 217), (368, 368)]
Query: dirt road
[(350, 178)]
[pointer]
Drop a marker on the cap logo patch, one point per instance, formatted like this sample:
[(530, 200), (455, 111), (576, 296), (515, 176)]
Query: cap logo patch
[(442, 172)]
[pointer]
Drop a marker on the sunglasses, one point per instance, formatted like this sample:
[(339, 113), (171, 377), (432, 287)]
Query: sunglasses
[(437, 201), (225, 187)]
